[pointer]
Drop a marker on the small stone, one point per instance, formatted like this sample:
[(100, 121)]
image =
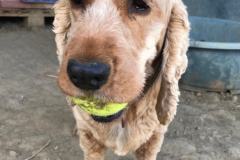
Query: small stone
[(56, 148), (234, 99), (13, 153), (202, 137), (198, 94), (197, 128), (211, 139), (238, 106)]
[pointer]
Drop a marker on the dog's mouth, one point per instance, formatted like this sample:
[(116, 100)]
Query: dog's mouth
[(107, 119), (100, 111)]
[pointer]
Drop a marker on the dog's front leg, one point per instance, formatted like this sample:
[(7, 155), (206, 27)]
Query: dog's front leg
[(150, 149), (92, 149)]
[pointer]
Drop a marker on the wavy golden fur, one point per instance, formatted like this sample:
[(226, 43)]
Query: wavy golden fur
[(129, 43)]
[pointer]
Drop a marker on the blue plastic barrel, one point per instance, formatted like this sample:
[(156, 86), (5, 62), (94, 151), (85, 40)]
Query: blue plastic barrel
[(214, 56)]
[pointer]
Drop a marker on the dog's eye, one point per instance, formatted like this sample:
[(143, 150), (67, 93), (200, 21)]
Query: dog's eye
[(139, 6), (77, 2)]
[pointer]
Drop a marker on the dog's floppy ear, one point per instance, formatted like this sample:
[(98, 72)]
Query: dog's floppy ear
[(62, 22), (174, 62)]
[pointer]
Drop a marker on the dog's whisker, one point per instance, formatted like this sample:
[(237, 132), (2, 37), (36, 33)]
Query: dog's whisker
[(52, 76)]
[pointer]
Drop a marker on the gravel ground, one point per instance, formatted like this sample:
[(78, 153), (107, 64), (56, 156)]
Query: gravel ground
[(33, 110)]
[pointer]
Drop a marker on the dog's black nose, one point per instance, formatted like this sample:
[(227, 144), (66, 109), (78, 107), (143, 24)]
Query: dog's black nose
[(88, 76)]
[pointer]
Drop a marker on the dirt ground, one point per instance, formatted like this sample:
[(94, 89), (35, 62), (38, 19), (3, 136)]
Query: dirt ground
[(33, 110)]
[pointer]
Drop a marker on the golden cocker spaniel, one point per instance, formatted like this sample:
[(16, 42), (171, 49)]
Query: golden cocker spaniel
[(131, 51)]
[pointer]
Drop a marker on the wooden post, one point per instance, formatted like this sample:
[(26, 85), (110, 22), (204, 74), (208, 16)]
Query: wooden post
[(35, 20)]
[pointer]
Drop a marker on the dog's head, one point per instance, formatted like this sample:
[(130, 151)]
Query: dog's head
[(106, 47)]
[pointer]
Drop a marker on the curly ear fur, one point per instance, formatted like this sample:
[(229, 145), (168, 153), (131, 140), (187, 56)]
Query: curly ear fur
[(175, 62), (62, 22)]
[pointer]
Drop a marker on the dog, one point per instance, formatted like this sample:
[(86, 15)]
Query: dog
[(138, 48)]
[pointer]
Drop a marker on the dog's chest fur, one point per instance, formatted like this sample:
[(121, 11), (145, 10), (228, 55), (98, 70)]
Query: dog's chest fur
[(121, 139)]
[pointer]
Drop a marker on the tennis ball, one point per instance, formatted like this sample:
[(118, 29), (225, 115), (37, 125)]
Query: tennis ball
[(97, 108)]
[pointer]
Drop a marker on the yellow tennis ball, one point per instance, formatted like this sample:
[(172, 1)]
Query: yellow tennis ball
[(97, 108)]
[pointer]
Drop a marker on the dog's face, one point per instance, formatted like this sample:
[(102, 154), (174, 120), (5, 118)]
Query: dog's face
[(110, 46)]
